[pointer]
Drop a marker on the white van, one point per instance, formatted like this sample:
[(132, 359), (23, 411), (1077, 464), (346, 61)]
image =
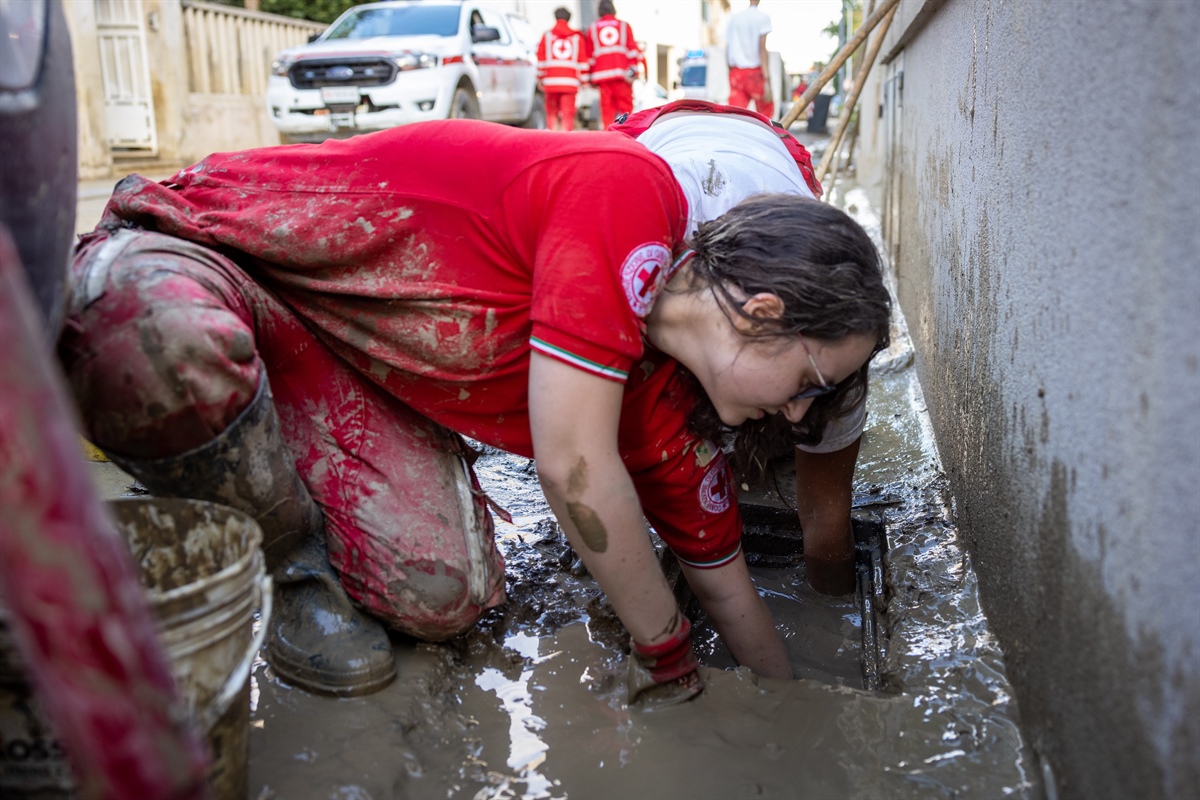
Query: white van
[(385, 64)]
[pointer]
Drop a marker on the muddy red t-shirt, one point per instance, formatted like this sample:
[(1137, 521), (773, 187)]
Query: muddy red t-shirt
[(435, 256)]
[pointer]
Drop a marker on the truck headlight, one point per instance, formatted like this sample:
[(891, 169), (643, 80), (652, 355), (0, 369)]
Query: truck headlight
[(407, 61), (281, 65)]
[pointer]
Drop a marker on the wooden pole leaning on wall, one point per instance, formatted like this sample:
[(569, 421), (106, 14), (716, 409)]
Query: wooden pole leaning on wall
[(852, 99), (848, 50)]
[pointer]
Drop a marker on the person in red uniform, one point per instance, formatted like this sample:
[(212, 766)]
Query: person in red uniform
[(562, 65), (312, 350), (614, 60)]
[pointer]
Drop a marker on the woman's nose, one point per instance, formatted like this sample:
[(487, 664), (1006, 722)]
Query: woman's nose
[(796, 409)]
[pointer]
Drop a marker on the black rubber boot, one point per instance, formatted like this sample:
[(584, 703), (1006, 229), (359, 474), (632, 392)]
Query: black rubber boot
[(318, 639)]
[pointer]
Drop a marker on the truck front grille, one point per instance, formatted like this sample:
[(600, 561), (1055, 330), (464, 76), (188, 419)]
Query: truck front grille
[(317, 72)]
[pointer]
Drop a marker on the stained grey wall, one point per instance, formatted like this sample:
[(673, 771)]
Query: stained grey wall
[(1042, 168)]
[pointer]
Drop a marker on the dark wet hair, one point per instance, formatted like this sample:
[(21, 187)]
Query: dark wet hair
[(605, 7), (562, 13), (825, 268)]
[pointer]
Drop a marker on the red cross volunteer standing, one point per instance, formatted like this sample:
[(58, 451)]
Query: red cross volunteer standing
[(307, 333), (615, 57), (562, 66)]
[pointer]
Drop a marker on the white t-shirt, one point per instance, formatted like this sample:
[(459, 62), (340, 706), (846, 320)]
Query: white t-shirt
[(742, 35), (719, 161)]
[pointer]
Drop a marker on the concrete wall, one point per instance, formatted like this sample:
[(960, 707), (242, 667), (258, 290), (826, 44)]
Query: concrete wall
[(1042, 169)]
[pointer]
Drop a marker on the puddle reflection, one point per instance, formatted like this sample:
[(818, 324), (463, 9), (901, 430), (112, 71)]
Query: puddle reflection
[(526, 749)]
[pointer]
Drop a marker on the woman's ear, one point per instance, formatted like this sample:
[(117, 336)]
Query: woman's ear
[(762, 308)]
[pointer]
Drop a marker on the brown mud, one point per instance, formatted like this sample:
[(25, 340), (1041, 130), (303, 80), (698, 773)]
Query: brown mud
[(531, 703)]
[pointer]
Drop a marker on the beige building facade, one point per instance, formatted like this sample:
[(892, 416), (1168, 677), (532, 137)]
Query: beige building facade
[(170, 81)]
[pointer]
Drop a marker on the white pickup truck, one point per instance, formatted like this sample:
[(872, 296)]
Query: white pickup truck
[(385, 64)]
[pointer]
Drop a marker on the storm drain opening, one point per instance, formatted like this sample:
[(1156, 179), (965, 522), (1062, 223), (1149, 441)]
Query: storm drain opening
[(836, 640)]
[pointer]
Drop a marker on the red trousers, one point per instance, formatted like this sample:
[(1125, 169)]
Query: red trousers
[(164, 346), (746, 85), (560, 103), (616, 98)]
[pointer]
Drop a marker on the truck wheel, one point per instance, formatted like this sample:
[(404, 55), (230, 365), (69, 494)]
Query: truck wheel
[(537, 114), (464, 105)]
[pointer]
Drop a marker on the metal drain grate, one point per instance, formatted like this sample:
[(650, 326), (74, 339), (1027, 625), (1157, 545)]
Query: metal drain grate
[(772, 539)]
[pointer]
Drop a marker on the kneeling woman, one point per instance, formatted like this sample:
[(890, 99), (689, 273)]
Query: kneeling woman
[(303, 332)]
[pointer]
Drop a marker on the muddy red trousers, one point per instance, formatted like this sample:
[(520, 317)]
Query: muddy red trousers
[(152, 313)]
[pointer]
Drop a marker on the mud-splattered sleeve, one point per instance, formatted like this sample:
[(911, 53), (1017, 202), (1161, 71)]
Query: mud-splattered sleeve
[(685, 483)]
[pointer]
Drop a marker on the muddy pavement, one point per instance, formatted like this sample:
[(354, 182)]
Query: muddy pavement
[(531, 702)]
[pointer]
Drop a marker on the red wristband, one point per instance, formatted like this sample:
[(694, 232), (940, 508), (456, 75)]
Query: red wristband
[(669, 659)]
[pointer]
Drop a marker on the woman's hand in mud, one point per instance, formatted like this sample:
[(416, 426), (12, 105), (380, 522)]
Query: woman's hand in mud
[(646, 694), (666, 673)]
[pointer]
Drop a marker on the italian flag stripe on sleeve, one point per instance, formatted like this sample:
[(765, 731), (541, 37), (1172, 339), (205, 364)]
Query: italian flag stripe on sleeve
[(578, 361), (712, 563)]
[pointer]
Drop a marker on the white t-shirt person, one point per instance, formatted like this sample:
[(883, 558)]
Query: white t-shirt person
[(721, 159), (742, 36)]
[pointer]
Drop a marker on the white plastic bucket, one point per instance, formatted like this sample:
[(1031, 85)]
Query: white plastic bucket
[(202, 568)]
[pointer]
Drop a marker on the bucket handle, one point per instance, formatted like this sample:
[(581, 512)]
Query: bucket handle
[(233, 686)]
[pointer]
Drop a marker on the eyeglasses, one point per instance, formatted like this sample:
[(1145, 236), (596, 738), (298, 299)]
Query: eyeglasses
[(825, 387)]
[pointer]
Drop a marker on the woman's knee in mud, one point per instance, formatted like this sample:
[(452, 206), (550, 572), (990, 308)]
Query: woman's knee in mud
[(157, 362), (428, 600)]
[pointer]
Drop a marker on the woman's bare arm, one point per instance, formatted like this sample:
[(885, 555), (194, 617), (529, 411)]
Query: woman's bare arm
[(574, 418), (729, 598), (824, 488)]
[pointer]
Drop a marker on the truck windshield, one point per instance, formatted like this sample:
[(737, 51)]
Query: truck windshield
[(419, 20), (693, 75)]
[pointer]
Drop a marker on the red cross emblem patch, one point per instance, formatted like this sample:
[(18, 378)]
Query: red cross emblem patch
[(714, 489), (643, 275)]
